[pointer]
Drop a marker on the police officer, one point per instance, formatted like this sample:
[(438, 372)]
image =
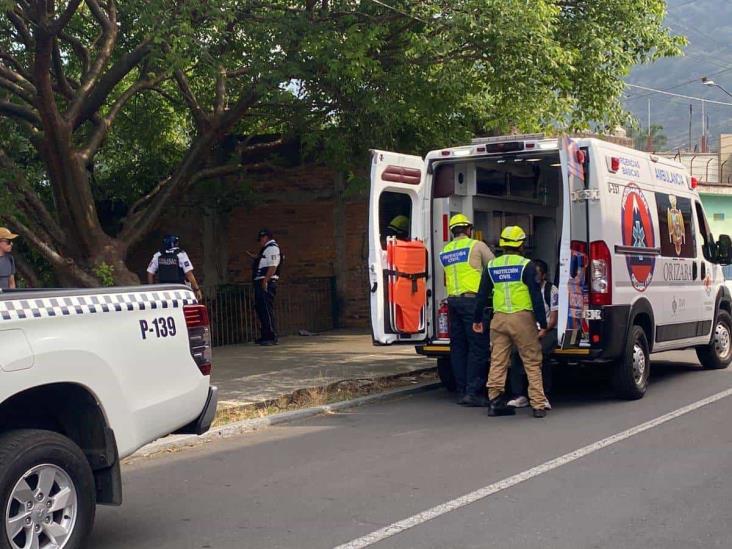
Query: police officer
[(173, 266), (266, 267), (463, 259), (518, 305)]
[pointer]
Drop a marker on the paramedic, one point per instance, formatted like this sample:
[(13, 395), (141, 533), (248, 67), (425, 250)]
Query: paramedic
[(463, 259), (517, 306), (550, 295), (398, 227)]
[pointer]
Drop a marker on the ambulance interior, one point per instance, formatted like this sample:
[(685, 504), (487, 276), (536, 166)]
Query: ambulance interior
[(522, 189)]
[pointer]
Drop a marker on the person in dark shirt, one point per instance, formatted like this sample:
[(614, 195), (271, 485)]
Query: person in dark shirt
[(7, 261), (510, 282)]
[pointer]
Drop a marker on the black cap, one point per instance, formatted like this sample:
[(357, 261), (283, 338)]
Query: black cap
[(264, 232)]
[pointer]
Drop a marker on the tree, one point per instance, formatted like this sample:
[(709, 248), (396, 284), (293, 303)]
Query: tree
[(342, 74), (640, 136)]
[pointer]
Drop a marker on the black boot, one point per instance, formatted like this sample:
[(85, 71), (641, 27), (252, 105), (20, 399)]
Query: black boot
[(499, 407)]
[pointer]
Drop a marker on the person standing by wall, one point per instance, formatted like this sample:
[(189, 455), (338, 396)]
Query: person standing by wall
[(510, 281), (265, 274), (7, 261), (463, 259), (173, 266)]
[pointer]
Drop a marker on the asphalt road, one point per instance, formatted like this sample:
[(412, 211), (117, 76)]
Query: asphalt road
[(333, 479)]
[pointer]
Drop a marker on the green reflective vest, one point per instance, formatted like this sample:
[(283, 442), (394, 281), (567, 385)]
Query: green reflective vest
[(510, 294), (460, 277)]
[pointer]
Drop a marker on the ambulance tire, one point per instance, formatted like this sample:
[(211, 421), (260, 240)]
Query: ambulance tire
[(444, 370), (630, 378), (717, 355)]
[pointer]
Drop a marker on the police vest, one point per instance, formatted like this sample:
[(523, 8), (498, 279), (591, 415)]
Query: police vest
[(260, 272), (510, 294), (460, 276), (169, 270)]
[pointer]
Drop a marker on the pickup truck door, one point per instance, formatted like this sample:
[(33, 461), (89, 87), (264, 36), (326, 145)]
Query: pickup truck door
[(398, 190)]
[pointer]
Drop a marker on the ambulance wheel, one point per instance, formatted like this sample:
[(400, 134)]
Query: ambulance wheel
[(717, 355), (444, 370), (630, 378)]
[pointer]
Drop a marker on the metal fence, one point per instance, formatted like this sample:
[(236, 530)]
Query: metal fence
[(300, 305)]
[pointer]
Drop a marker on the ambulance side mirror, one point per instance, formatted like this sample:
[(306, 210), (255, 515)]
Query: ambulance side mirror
[(724, 250)]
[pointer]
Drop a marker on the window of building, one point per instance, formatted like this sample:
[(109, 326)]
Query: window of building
[(718, 217)]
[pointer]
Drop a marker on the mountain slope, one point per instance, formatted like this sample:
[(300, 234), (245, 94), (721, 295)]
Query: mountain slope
[(707, 24)]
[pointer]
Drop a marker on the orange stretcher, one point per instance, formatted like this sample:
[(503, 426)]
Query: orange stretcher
[(406, 267)]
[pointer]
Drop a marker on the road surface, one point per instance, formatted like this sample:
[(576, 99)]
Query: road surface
[(364, 477)]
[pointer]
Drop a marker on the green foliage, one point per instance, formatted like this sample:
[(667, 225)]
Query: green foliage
[(104, 273), (343, 76)]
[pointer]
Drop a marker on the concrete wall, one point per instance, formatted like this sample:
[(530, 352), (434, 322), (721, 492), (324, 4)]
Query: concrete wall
[(719, 206)]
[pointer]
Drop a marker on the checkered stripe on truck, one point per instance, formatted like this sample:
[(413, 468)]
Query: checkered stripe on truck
[(46, 307)]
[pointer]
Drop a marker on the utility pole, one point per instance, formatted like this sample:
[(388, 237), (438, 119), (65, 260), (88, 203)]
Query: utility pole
[(704, 130), (691, 113), (649, 138)]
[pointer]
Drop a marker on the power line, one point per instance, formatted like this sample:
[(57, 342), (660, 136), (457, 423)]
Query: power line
[(712, 101)]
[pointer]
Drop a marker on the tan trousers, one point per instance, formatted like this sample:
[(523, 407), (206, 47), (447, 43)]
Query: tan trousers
[(519, 330)]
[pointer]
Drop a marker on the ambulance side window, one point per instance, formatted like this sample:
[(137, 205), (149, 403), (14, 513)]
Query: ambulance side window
[(676, 226), (708, 245), (395, 216)]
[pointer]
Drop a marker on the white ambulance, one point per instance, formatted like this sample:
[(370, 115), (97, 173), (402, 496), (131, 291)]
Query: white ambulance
[(623, 232)]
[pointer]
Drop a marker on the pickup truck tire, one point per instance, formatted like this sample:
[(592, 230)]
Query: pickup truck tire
[(630, 378), (717, 355), (444, 370), (47, 491)]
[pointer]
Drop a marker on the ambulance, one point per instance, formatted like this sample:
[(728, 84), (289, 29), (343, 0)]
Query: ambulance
[(624, 234)]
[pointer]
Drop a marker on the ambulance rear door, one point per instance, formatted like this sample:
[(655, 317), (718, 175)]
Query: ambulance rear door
[(398, 278), (572, 325)]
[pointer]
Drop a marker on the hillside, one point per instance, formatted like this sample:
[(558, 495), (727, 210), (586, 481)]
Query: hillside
[(707, 24)]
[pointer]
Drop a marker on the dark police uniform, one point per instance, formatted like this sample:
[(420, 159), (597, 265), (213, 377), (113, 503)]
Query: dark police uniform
[(269, 256), (171, 266)]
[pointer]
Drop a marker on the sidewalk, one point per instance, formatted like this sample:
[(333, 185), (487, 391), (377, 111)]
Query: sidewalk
[(249, 375)]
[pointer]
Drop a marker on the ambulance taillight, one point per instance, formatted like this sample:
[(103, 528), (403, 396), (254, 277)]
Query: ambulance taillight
[(600, 274)]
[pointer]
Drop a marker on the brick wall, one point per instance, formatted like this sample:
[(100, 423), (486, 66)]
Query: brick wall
[(298, 205)]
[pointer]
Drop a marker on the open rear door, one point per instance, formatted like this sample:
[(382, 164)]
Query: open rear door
[(572, 327), (398, 260)]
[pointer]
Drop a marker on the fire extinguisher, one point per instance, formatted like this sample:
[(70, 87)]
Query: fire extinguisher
[(443, 322)]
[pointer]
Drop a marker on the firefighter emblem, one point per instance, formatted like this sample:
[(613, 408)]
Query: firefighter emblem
[(676, 227)]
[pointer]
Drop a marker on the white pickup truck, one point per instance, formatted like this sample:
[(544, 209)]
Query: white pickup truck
[(86, 378)]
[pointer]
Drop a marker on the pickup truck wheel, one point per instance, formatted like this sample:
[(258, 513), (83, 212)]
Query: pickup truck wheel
[(444, 370), (717, 355), (630, 378), (47, 491)]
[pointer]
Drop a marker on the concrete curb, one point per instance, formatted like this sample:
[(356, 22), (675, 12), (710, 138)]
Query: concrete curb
[(174, 442)]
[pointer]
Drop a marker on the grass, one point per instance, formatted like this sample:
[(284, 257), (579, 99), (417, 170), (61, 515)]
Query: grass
[(319, 395)]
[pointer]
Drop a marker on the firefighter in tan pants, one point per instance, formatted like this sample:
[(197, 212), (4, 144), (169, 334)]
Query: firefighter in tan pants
[(510, 281)]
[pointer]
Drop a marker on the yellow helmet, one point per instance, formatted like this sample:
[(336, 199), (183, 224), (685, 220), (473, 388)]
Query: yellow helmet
[(459, 220), (512, 236), (400, 224)]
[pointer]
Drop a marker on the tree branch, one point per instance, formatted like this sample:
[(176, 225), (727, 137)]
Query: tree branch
[(54, 258), (105, 123), (89, 103), (15, 89), (21, 28), (66, 16), (108, 22), (199, 116), (20, 74), (20, 112), (26, 270), (220, 100), (80, 50), (58, 68)]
